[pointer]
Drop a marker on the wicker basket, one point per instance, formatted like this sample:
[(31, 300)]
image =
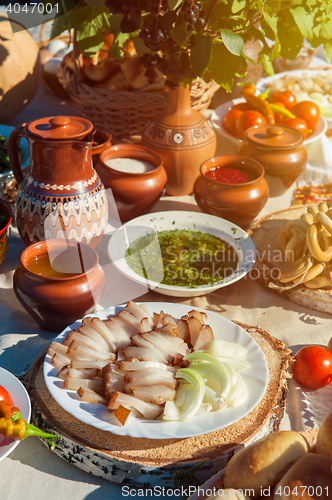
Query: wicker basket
[(124, 113)]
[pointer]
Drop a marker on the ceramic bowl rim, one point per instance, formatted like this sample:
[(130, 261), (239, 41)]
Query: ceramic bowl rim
[(9, 213), (254, 163), (56, 242), (158, 163)]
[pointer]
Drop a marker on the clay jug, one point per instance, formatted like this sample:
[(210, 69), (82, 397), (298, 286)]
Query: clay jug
[(184, 138), (61, 196)]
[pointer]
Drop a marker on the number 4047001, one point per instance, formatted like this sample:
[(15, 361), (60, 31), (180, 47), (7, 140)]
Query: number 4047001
[(299, 491), (31, 8)]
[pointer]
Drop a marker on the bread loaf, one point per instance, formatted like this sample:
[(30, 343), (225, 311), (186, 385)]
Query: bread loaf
[(308, 479), (263, 463), (229, 494), (324, 437)]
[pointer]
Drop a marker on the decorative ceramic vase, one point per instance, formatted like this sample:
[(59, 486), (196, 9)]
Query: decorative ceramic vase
[(61, 196), (5, 210), (56, 302), (184, 138), (135, 193), (280, 150), (237, 202)]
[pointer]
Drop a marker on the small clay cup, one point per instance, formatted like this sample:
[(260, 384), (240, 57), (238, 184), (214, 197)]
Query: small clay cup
[(7, 212), (102, 139), (280, 150), (56, 302), (239, 203), (134, 193)]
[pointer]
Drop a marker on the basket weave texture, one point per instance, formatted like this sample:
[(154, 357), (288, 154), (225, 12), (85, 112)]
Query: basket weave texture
[(124, 113)]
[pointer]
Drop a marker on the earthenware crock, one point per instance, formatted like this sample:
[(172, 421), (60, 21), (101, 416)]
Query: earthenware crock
[(102, 139), (61, 196), (280, 150), (55, 303), (184, 138), (134, 193), (237, 203)]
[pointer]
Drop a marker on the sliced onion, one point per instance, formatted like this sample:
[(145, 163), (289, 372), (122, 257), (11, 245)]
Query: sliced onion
[(225, 349), (197, 381), (171, 411), (210, 367), (212, 398)]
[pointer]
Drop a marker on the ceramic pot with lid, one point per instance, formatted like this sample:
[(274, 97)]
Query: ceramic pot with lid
[(280, 150), (62, 195), (239, 193)]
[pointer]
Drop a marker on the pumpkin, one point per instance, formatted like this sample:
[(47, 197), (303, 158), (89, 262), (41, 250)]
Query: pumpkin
[(20, 68)]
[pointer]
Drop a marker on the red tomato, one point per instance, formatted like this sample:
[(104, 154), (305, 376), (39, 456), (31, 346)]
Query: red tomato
[(229, 121), (312, 366), (4, 395), (248, 119), (307, 111), (298, 124), (286, 97), (242, 106)]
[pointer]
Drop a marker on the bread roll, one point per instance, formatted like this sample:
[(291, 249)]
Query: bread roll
[(308, 479), (324, 437), (135, 73), (229, 494), (263, 463)]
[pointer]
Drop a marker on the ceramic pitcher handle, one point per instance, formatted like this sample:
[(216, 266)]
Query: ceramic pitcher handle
[(14, 152)]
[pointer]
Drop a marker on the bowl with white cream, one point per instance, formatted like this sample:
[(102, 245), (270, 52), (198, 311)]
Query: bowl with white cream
[(136, 176)]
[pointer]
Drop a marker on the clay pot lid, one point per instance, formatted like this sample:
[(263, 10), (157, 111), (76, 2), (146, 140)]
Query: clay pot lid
[(273, 136), (60, 127)]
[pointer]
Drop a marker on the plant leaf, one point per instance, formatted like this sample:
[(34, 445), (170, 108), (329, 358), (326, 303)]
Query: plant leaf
[(224, 66), (233, 42), (201, 54), (173, 4), (303, 21)]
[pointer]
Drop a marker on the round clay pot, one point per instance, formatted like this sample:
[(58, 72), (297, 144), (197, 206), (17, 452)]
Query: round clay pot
[(102, 139), (280, 150), (7, 212), (134, 193), (56, 302), (238, 203)]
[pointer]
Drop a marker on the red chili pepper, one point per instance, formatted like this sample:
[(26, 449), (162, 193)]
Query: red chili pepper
[(228, 175)]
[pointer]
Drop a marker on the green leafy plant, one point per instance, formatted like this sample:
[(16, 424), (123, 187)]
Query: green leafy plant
[(187, 39)]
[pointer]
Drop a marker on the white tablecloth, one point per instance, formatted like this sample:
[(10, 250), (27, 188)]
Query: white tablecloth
[(31, 471)]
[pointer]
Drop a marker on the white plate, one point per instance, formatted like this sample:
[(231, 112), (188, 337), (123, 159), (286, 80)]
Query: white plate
[(5, 131), (20, 399), (219, 113), (97, 415), (195, 221)]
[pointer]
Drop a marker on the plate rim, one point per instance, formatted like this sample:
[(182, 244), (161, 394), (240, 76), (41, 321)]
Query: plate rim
[(123, 431), (11, 446), (204, 288)]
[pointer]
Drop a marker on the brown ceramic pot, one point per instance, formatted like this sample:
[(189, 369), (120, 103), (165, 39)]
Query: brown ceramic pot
[(134, 193), (56, 302), (238, 203), (61, 195), (5, 210), (280, 150), (184, 138), (102, 139)]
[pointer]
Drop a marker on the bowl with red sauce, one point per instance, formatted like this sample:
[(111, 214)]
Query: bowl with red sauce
[(232, 187)]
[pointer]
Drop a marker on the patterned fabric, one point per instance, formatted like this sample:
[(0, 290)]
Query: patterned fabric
[(312, 194)]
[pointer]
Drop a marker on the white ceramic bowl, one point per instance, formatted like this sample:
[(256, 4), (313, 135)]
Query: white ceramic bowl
[(230, 143), (195, 221)]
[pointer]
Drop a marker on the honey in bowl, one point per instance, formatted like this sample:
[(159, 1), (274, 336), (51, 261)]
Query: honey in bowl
[(65, 264)]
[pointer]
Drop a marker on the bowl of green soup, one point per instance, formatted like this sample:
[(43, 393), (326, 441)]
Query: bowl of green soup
[(182, 254)]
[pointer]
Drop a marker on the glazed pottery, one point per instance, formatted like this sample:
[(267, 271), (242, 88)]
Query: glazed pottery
[(56, 302), (7, 212), (102, 139), (280, 150), (134, 193), (61, 196), (239, 202), (184, 138)]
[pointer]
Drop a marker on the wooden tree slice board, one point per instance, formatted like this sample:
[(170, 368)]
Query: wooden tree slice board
[(146, 462), (269, 260)]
